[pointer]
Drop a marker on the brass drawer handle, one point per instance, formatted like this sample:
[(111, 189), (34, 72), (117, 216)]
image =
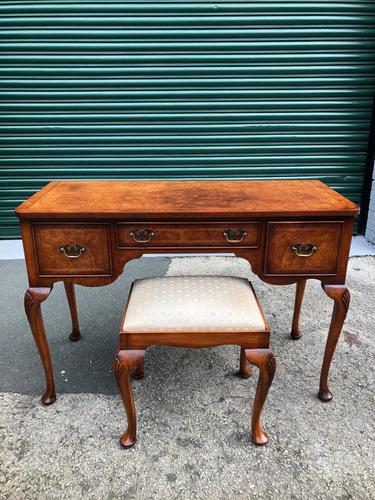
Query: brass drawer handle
[(234, 235), (72, 252), (304, 250), (142, 235)]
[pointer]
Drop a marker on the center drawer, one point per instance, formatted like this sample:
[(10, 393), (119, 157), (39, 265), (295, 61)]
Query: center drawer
[(188, 235)]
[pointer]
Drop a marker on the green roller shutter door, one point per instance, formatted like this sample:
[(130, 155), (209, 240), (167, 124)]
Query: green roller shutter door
[(182, 90)]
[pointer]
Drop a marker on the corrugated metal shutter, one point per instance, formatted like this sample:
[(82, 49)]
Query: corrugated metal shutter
[(128, 90)]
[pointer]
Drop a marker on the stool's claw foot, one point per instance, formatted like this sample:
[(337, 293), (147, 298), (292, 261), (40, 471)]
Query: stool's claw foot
[(48, 399), (74, 336), (245, 370), (265, 361), (125, 364)]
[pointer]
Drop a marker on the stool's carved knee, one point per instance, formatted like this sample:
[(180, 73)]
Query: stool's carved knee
[(245, 370), (125, 363), (265, 361)]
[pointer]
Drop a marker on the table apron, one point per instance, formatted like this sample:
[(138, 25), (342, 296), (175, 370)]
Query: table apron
[(94, 253)]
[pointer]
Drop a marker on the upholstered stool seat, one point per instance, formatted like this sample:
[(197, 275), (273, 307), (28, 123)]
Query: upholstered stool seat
[(193, 311), (193, 303)]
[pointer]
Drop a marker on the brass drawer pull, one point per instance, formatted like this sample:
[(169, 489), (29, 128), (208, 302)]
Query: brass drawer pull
[(304, 250), (142, 235), (72, 252), (234, 235)]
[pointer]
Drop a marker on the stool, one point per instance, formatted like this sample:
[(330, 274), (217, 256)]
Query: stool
[(194, 312)]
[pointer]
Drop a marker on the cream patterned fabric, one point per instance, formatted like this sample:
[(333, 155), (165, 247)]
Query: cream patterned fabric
[(193, 303)]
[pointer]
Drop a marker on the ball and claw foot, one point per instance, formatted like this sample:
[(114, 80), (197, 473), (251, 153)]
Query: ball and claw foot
[(74, 336)]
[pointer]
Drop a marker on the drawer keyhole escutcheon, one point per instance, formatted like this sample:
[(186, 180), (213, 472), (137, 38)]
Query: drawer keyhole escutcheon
[(142, 235), (234, 235), (304, 250), (72, 251)]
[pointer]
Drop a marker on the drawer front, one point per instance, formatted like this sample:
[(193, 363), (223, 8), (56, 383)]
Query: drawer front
[(72, 249), (303, 248), (188, 235)]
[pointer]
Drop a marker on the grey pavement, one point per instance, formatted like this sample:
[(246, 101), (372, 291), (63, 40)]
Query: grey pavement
[(194, 413)]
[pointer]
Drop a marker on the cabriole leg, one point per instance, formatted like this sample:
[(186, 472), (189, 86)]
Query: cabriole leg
[(125, 363), (33, 298), (341, 295), (70, 295), (300, 290), (265, 361)]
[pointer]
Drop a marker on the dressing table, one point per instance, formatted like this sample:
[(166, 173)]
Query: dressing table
[(85, 232)]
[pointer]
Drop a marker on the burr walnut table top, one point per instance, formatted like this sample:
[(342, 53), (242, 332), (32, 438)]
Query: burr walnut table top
[(176, 199)]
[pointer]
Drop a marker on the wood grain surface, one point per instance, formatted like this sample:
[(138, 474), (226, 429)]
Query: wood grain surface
[(175, 199)]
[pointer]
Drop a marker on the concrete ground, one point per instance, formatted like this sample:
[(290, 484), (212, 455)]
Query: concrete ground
[(194, 413)]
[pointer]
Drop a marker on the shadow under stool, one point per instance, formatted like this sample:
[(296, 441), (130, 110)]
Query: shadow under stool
[(193, 312)]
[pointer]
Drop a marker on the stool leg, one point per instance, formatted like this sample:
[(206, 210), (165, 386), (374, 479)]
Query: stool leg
[(245, 370), (125, 363), (265, 361)]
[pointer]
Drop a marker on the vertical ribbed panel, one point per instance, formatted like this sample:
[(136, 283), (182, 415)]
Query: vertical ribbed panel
[(182, 90)]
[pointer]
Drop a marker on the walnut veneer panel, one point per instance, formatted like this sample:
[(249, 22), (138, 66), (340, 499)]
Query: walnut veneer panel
[(179, 235), (93, 257), (281, 259)]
